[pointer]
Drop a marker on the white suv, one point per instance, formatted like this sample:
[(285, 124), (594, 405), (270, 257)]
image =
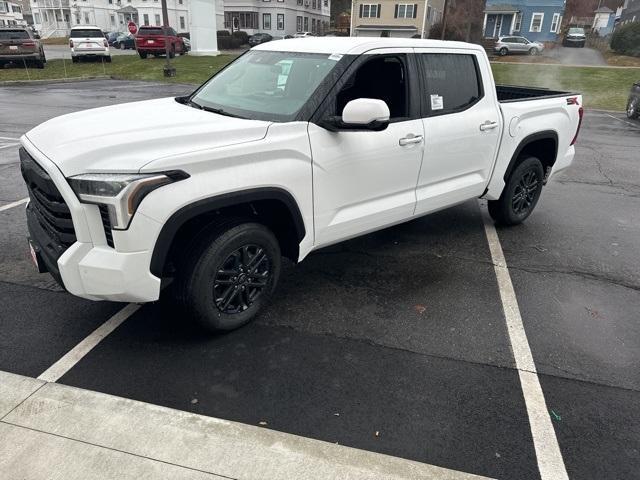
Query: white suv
[(88, 41), (296, 145)]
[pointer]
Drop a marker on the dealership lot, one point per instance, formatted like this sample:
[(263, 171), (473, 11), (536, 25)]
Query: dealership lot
[(395, 342)]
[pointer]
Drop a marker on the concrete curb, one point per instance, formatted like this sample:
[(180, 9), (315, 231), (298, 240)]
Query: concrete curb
[(54, 80)]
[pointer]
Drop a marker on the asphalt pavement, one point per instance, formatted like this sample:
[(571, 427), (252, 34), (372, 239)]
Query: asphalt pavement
[(395, 342), (578, 56)]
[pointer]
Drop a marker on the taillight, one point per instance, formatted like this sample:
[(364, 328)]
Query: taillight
[(105, 43), (580, 115), (28, 44), (70, 43)]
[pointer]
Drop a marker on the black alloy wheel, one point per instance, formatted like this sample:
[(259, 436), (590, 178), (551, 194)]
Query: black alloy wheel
[(242, 279), (524, 195)]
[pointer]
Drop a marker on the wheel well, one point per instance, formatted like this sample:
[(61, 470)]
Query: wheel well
[(543, 147), (272, 213)]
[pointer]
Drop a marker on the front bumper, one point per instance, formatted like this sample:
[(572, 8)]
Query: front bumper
[(89, 267)]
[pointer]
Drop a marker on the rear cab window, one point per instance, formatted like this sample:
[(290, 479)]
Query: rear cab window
[(17, 34), (452, 82), (86, 33), (151, 31)]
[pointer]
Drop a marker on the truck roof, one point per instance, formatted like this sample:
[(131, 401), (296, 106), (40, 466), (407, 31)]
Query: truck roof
[(356, 45)]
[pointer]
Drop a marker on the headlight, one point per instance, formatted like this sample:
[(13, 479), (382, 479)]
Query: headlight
[(120, 192)]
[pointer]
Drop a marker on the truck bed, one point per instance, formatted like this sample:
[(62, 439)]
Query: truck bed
[(512, 93)]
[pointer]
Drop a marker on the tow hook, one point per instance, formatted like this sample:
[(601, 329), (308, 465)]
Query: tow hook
[(547, 174)]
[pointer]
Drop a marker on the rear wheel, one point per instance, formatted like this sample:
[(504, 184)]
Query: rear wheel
[(229, 274), (533, 51), (108, 59), (520, 195), (633, 105), (74, 59), (143, 55), (503, 51)]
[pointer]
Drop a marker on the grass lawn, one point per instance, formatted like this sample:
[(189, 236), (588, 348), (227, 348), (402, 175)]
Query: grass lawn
[(606, 88), (190, 69)]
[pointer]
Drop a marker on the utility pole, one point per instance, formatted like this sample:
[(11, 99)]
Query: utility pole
[(169, 70), (444, 19)]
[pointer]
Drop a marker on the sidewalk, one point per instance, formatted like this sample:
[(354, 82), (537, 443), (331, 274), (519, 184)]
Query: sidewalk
[(50, 430)]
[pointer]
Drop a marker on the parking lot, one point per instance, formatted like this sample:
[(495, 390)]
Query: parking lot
[(395, 342)]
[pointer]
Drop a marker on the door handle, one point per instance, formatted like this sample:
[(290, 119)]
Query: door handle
[(488, 125), (410, 139)]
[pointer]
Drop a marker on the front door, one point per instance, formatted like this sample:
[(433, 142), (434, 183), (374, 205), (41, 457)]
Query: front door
[(462, 125), (498, 26), (365, 180)]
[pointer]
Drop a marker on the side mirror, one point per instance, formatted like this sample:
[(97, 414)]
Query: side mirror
[(361, 114)]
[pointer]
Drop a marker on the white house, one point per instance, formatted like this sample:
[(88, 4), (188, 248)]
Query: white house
[(10, 14), (54, 18)]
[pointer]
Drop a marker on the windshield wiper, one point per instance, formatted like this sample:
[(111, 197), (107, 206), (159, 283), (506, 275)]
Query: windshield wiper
[(219, 111)]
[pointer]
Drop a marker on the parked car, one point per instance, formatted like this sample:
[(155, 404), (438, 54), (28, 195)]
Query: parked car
[(88, 42), (259, 38), (151, 41), (575, 37), (633, 104), (187, 44), (125, 41), (211, 188), (303, 35), (111, 37), (20, 45), (510, 45)]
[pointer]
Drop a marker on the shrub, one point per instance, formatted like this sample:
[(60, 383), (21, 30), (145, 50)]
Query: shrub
[(223, 33), (227, 42), (242, 36), (626, 39)]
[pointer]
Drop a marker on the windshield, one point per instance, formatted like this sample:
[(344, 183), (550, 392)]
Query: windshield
[(264, 85), (85, 33), (579, 31)]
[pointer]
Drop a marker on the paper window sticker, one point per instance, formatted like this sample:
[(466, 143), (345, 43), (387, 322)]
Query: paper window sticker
[(437, 102), (335, 57)]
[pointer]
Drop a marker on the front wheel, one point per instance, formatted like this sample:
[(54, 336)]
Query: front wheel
[(229, 275), (533, 52), (520, 195), (503, 51), (632, 108)]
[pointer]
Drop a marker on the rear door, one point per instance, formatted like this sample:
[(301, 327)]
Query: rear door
[(462, 125)]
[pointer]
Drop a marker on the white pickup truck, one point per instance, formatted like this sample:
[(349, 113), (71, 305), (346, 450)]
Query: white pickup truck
[(296, 145)]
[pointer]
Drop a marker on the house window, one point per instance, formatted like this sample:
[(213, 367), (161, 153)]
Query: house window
[(313, 25), (86, 18), (429, 12), (179, 2), (280, 21), (145, 19), (313, 4), (306, 24), (555, 23), (182, 24), (298, 24), (157, 20), (299, 2), (536, 22), (405, 11), (266, 21), (518, 23), (36, 17), (368, 10), (112, 19), (241, 20), (326, 3)]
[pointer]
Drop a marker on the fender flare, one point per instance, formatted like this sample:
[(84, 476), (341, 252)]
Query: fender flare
[(211, 204), (544, 135)]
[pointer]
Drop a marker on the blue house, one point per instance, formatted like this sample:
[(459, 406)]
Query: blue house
[(537, 20)]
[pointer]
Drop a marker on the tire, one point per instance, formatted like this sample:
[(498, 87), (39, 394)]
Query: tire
[(143, 55), (225, 301), (39, 63), (504, 51), (533, 52), (108, 59), (74, 59), (633, 107), (508, 210)]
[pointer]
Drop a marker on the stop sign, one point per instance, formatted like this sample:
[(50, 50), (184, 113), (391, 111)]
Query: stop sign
[(133, 28)]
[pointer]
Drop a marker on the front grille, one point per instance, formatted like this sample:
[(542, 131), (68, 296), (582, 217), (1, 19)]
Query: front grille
[(49, 218), (106, 224)]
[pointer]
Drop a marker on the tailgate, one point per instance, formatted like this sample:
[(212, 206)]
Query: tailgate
[(16, 43), (151, 41)]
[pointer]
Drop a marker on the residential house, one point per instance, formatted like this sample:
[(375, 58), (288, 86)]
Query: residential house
[(394, 18), (630, 12), (537, 20), (10, 14), (277, 17), (54, 18), (603, 21)]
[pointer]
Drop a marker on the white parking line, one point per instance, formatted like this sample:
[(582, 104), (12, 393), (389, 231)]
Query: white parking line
[(623, 121), (8, 145), (66, 363), (550, 462), (13, 204), (10, 138)]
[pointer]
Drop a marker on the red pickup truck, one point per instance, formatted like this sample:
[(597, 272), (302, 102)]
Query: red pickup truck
[(151, 41)]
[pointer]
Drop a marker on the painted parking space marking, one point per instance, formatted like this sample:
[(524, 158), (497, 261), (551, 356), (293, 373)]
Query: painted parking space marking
[(550, 462), (13, 204), (77, 353), (623, 121)]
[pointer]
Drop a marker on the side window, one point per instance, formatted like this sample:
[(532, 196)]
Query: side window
[(452, 82), (382, 77)]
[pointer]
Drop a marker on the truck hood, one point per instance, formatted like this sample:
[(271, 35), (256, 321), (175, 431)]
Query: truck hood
[(125, 137)]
